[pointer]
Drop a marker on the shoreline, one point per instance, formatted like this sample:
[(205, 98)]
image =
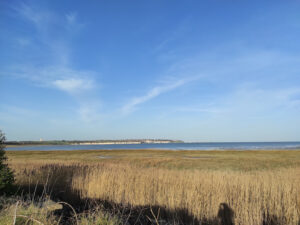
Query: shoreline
[(154, 149), (267, 146)]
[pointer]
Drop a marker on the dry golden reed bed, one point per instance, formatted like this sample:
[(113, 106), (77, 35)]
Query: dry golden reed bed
[(257, 194)]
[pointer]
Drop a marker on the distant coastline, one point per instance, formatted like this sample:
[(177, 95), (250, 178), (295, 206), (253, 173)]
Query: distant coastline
[(93, 142), (155, 144)]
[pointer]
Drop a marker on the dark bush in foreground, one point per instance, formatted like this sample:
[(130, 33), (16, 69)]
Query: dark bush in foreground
[(6, 175)]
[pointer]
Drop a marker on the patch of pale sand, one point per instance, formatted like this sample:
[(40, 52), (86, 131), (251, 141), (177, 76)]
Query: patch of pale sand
[(105, 157), (198, 157)]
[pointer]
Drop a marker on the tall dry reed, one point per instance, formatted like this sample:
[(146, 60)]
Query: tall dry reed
[(254, 197)]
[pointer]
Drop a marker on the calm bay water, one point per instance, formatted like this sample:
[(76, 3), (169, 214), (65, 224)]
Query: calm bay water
[(170, 146)]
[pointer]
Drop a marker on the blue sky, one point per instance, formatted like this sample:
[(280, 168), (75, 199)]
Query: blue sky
[(189, 70)]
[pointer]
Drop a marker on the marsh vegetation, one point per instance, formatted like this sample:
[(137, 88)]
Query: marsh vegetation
[(169, 187)]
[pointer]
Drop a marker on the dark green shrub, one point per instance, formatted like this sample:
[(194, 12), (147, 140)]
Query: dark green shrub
[(6, 174)]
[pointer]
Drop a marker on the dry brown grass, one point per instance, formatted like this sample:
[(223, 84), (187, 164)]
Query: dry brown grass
[(257, 186), (250, 195)]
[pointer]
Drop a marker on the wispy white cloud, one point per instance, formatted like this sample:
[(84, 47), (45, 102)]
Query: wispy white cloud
[(36, 16), (55, 70), (13, 114), (63, 78), (172, 35), (17, 110), (204, 109), (71, 17), (76, 83), (259, 100), (153, 93), (73, 23), (89, 111), (46, 23), (72, 85), (229, 78), (248, 101), (241, 67)]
